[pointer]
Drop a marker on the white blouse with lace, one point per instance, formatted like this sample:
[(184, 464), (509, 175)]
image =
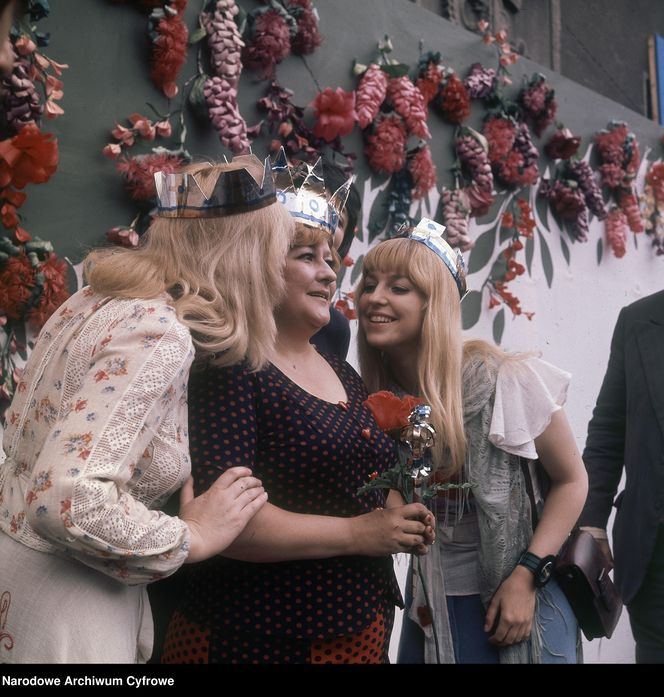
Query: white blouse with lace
[(96, 437)]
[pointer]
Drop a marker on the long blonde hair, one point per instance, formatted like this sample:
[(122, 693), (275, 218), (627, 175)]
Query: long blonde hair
[(439, 358), (225, 274)]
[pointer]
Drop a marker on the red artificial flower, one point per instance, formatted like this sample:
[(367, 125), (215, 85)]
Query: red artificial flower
[(452, 100), (139, 172), (346, 310), (9, 217), (123, 236), (480, 200), (562, 145), (269, 44), (54, 291), (30, 157), (391, 412), (386, 147), (423, 171), (169, 54), (17, 280), (334, 111)]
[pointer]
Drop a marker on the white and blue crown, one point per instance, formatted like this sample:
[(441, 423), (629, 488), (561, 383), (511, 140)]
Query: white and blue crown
[(301, 190), (430, 234), (180, 195)]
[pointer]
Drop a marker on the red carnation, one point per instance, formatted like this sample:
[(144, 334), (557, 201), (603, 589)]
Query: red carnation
[(30, 157), (452, 100), (139, 173), (334, 111), (308, 38), (390, 411), (423, 171), (270, 42), (17, 280), (54, 291), (386, 148)]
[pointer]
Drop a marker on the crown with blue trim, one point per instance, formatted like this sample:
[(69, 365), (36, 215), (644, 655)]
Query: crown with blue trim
[(302, 191), (180, 195), (430, 234)]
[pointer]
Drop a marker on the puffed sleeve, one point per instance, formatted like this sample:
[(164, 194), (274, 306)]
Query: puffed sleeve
[(103, 439), (528, 392)]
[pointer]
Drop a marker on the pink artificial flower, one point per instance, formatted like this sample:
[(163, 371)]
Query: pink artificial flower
[(334, 111), (501, 36), (54, 87), (24, 46), (124, 135), (285, 129), (482, 25), (53, 109), (488, 39), (112, 150), (164, 128), (143, 126)]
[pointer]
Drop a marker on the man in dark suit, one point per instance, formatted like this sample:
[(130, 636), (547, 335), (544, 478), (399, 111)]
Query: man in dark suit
[(627, 431)]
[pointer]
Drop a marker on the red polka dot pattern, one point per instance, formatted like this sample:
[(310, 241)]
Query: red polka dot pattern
[(185, 642), (311, 456), (368, 646)]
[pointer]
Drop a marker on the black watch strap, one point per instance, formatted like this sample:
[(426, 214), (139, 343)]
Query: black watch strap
[(540, 567), (530, 561)]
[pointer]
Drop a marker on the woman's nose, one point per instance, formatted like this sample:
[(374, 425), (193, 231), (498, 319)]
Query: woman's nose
[(326, 273)]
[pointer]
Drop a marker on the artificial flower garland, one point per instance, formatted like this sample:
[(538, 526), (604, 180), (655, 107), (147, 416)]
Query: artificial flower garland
[(33, 280)]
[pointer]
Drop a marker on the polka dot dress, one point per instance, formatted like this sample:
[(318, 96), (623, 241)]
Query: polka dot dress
[(311, 456)]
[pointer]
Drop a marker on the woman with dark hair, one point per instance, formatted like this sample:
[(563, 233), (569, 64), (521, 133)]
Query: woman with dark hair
[(334, 337)]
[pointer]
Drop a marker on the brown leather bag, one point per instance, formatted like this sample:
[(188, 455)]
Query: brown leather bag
[(582, 572)]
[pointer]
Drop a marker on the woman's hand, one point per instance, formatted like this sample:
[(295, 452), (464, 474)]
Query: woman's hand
[(386, 531), (219, 515), (512, 609)]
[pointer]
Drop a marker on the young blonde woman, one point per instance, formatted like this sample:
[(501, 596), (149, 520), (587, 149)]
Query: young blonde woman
[(96, 437), (488, 575), (310, 580)]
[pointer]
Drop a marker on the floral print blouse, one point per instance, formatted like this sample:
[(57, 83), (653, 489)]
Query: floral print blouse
[(96, 438)]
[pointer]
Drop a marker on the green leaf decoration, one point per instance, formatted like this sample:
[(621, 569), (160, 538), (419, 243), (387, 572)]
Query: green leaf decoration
[(499, 268), (378, 215), (547, 262), (482, 251), (357, 269), (499, 326), (197, 35), (565, 248), (471, 307), (341, 275), (505, 234), (600, 251), (530, 252), (395, 69)]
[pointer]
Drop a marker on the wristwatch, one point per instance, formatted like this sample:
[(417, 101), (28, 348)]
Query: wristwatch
[(540, 567)]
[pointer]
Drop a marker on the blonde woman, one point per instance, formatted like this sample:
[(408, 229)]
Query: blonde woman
[(310, 579), (96, 437), (488, 575)]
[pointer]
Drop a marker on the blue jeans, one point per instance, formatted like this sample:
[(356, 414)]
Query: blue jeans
[(556, 620)]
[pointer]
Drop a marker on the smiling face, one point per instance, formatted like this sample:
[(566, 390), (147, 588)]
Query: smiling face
[(391, 311), (310, 284)]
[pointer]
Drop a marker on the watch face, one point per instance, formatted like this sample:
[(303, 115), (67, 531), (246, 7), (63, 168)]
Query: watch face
[(545, 573)]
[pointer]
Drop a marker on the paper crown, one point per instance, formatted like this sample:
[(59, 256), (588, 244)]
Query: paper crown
[(180, 194), (302, 191), (430, 234)]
